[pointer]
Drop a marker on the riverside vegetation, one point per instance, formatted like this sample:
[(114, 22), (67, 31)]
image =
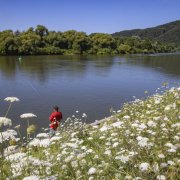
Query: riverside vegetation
[(41, 41), (139, 142)]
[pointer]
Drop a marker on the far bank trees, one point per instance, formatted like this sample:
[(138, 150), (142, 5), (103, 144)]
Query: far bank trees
[(41, 41)]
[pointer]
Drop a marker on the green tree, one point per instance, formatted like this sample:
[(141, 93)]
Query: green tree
[(41, 31), (124, 49)]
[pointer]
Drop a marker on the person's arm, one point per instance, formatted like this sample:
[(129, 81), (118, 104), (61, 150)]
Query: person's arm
[(51, 117)]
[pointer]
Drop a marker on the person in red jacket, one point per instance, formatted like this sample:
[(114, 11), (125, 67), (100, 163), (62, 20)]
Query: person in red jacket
[(55, 118)]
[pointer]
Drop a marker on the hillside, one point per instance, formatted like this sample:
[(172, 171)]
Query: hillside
[(168, 33)]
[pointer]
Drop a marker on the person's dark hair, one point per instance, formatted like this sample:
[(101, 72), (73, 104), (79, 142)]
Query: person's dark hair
[(56, 108)]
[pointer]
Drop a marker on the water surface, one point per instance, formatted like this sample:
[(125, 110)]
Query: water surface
[(89, 84)]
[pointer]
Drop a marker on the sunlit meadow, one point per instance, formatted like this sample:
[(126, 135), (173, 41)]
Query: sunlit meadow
[(140, 141)]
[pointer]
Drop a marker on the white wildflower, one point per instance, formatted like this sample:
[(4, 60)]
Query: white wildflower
[(107, 152), (5, 121), (69, 158), (9, 150), (80, 156), (6, 135), (27, 115), (91, 171), (89, 151), (142, 141), (90, 138), (45, 143), (126, 117), (144, 166), (161, 177), (84, 115), (175, 125), (31, 178), (84, 148), (157, 101), (142, 126), (161, 156), (171, 150), (73, 145), (115, 144), (104, 128), (122, 158), (156, 118), (11, 99), (55, 138), (137, 178), (83, 162), (167, 108), (102, 137), (117, 124), (132, 153), (134, 125), (151, 124), (18, 126), (163, 165), (108, 144), (114, 134), (74, 164), (91, 178), (16, 157), (42, 135), (35, 142), (176, 138), (64, 166), (170, 145), (170, 163), (128, 177)]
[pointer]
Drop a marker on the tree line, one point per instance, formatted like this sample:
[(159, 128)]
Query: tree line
[(41, 41)]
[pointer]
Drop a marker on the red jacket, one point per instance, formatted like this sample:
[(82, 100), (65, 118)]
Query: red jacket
[(55, 118)]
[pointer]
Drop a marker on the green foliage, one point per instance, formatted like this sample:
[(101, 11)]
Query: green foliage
[(42, 41)]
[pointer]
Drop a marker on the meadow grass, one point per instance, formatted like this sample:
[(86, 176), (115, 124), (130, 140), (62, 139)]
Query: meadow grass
[(140, 141)]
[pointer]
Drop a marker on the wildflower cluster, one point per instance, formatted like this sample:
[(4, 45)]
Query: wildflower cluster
[(141, 141)]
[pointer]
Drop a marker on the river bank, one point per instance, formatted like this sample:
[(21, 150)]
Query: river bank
[(139, 142)]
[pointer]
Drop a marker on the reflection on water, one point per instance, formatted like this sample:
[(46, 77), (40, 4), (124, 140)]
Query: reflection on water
[(169, 63), (90, 84), (42, 66)]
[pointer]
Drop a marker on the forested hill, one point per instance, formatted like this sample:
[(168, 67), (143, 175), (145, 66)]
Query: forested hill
[(168, 33)]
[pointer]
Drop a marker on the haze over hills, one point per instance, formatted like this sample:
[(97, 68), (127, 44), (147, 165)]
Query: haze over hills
[(167, 33)]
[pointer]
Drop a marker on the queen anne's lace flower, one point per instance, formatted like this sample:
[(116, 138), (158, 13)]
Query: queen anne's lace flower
[(91, 171), (27, 115), (144, 166), (7, 135), (161, 177), (12, 99), (42, 135), (31, 178), (122, 158), (5, 121)]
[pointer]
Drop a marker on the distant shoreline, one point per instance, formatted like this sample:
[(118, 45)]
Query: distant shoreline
[(83, 55)]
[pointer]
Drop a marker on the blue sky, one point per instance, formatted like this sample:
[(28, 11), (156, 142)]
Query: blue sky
[(106, 16)]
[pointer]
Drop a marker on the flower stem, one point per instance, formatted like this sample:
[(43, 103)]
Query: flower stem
[(8, 109)]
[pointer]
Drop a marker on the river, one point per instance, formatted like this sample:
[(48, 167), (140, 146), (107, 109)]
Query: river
[(89, 84)]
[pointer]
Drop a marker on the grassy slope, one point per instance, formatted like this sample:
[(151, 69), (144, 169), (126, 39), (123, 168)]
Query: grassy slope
[(139, 142)]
